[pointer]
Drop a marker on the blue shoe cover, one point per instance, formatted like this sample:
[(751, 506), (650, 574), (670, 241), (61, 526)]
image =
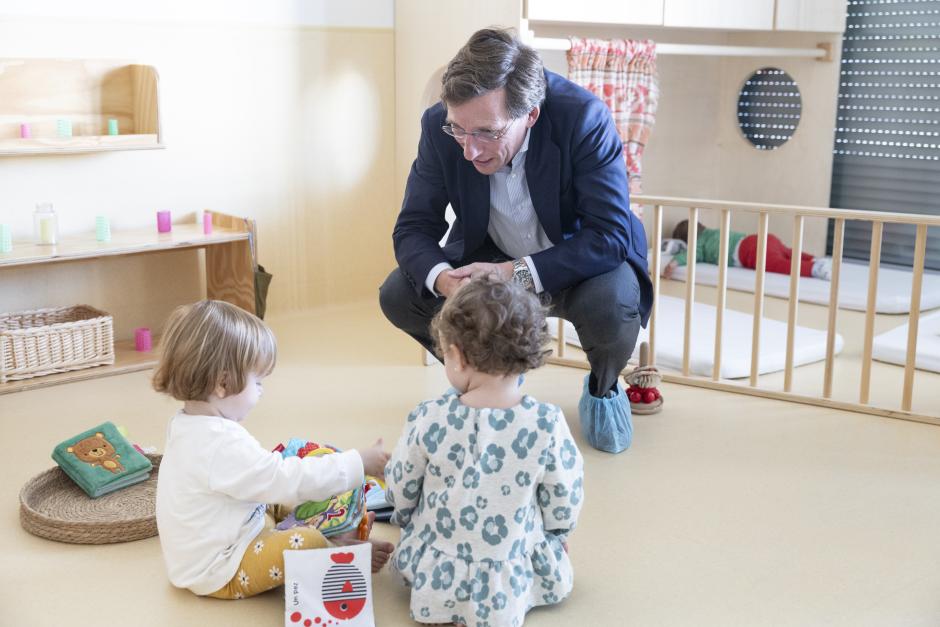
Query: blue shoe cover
[(605, 422)]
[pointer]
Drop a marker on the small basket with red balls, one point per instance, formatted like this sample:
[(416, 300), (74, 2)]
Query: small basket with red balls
[(642, 382)]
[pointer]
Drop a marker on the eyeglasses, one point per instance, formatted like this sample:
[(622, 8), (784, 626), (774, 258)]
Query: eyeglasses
[(486, 136)]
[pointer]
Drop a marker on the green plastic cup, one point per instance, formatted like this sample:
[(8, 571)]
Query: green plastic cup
[(102, 229)]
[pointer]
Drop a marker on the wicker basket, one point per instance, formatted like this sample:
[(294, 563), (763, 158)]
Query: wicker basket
[(46, 341), (52, 506)]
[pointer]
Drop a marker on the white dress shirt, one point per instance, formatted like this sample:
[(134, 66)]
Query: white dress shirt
[(513, 225)]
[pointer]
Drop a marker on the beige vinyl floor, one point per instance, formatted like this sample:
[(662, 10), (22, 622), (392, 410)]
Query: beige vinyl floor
[(728, 510)]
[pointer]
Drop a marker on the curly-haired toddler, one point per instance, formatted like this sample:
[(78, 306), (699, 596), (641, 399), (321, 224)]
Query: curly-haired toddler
[(487, 482)]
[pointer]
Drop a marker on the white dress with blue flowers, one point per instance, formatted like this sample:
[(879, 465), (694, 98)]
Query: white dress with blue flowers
[(485, 498)]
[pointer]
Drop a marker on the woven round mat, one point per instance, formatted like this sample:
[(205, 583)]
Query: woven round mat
[(52, 506)]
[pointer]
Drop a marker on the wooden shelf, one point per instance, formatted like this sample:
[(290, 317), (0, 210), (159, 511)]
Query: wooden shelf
[(126, 359), (229, 277), (130, 242), (88, 94), (69, 145)]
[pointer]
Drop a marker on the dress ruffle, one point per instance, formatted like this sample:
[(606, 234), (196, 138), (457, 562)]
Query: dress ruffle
[(488, 592)]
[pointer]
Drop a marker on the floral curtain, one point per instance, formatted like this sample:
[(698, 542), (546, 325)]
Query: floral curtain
[(622, 73)]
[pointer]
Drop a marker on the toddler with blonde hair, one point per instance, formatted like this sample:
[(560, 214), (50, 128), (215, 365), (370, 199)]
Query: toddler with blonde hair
[(217, 535)]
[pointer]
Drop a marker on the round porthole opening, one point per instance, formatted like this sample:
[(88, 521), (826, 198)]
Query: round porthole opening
[(769, 106)]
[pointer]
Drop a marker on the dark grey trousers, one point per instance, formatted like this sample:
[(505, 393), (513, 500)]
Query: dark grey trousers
[(604, 310)]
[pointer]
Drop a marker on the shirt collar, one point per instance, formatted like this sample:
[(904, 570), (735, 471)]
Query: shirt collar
[(520, 156), (519, 159)]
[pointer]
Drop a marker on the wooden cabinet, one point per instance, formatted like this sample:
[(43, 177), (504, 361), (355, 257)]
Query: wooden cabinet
[(646, 12), (229, 276), (827, 16), (44, 97), (824, 16), (722, 14)]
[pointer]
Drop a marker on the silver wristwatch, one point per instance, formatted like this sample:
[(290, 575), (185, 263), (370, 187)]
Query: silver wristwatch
[(522, 275)]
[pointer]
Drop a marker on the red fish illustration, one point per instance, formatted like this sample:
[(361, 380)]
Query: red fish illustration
[(344, 587)]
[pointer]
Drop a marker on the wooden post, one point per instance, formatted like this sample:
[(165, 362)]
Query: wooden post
[(796, 265), (561, 337), (759, 294), (689, 289), (838, 235), (920, 251), (722, 289), (656, 271), (874, 264)]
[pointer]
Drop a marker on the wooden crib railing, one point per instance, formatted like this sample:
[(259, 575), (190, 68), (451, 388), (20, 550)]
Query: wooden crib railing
[(798, 214)]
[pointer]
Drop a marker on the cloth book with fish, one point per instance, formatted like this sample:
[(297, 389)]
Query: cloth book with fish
[(101, 460)]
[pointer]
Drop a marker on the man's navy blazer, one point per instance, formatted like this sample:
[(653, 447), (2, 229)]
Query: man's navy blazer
[(577, 181)]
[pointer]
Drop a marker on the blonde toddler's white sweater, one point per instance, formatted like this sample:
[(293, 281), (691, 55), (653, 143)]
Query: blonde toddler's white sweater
[(214, 482)]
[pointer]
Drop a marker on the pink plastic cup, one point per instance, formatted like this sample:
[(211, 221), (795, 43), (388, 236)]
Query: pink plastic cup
[(207, 222), (25, 131), (142, 340), (164, 225)]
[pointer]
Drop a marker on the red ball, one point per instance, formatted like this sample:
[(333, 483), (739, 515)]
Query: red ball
[(649, 396), (634, 396), (295, 617)]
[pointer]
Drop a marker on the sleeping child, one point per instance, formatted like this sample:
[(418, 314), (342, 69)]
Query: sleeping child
[(742, 252), (487, 482)]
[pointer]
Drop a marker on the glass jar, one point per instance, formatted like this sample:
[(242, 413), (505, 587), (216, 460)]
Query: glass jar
[(45, 224)]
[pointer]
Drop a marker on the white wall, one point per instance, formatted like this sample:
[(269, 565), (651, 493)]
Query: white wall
[(428, 33), (281, 112), (349, 13)]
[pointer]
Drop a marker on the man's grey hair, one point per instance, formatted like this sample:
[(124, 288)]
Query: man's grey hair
[(492, 59)]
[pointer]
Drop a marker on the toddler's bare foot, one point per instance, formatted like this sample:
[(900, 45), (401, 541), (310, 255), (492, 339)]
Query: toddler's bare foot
[(381, 550)]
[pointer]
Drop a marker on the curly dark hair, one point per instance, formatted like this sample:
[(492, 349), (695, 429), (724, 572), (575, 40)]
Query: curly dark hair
[(499, 326)]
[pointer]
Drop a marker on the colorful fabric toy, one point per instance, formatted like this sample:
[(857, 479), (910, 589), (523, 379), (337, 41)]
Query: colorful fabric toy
[(376, 500), (335, 515)]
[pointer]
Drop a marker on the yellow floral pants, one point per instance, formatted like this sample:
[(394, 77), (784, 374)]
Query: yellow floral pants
[(262, 566)]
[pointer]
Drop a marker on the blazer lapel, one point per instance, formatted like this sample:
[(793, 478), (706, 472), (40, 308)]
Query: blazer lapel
[(476, 209), (543, 177)]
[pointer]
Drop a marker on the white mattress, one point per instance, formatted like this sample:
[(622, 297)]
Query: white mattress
[(809, 344), (891, 346), (894, 286)]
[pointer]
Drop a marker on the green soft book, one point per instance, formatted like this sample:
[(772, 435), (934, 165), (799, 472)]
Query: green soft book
[(101, 460)]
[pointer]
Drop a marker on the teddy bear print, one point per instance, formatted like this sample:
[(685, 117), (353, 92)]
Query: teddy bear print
[(97, 451)]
